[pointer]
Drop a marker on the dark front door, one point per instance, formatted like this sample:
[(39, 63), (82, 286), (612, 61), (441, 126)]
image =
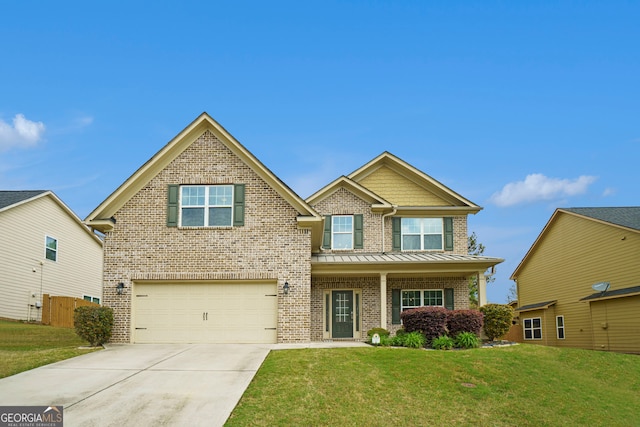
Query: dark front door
[(342, 319)]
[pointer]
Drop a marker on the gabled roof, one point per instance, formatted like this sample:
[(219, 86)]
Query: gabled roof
[(12, 199), (100, 217), (377, 202), (386, 159), (628, 217), (538, 306), (621, 217)]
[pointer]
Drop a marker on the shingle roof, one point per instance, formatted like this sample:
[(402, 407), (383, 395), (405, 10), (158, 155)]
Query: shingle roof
[(8, 198), (624, 216), (634, 290), (537, 306)]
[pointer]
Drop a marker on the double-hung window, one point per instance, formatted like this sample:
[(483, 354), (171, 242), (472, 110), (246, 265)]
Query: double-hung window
[(532, 328), (422, 234), (421, 298), (560, 327), (206, 205), (51, 248), (342, 231)]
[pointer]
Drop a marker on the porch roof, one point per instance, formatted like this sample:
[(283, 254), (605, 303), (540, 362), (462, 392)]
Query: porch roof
[(416, 262)]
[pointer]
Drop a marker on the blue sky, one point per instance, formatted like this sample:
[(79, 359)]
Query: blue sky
[(521, 107)]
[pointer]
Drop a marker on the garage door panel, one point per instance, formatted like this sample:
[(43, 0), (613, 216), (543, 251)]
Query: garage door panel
[(205, 313)]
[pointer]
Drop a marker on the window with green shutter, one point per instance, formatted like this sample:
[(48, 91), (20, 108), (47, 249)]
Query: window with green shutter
[(205, 205)]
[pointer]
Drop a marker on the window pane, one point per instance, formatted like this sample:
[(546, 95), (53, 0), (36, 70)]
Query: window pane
[(220, 195), (432, 297), (561, 333), (52, 243), (527, 334), (537, 333), (432, 225), (192, 196), (536, 322), (193, 217), (527, 323), (411, 299), (50, 254), (342, 224), (219, 217), (410, 243), (433, 241), (410, 225), (342, 241), (560, 321)]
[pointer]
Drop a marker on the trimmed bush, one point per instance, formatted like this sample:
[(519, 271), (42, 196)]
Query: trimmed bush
[(93, 324), (414, 340), (467, 340), (497, 319), (442, 343), (430, 321), (464, 321)]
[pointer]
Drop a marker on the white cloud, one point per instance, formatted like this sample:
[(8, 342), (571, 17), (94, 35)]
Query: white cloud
[(609, 192), (536, 187), (23, 133)]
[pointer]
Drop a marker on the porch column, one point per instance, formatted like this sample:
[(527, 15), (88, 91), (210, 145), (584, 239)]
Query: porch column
[(383, 300), (482, 289)]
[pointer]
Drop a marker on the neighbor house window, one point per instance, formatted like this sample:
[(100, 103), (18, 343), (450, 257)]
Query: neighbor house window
[(421, 298), (51, 249), (206, 206), (532, 328), (91, 299), (421, 234), (560, 327), (342, 231)]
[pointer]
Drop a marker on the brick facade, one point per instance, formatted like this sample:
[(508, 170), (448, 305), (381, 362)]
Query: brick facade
[(268, 247)]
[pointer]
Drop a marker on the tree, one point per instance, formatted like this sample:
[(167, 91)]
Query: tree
[(512, 294), (475, 248)]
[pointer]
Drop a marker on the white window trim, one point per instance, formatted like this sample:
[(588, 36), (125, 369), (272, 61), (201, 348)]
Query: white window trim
[(524, 329), (56, 251), (333, 233), (422, 234), (206, 205), (84, 297), (564, 329), (422, 291)]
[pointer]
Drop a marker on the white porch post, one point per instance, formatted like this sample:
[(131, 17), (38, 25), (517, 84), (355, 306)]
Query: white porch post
[(383, 300), (482, 289)]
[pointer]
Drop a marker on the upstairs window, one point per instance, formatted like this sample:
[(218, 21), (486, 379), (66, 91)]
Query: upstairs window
[(51, 248), (342, 232), (206, 206), (422, 234)]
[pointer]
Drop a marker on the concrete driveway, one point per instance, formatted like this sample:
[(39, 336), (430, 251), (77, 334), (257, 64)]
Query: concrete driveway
[(142, 384)]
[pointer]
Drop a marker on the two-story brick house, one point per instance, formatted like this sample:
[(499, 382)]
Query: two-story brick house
[(205, 244)]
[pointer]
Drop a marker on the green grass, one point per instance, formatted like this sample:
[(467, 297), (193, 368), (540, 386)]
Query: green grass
[(26, 346), (523, 385)]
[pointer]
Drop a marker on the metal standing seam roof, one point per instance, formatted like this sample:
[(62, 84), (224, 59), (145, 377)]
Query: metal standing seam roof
[(625, 216), (388, 258), (8, 198)]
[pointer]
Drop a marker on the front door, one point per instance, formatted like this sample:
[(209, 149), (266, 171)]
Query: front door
[(342, 319)]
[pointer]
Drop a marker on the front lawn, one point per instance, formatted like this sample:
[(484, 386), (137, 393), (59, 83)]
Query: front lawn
[(26, 346), (524, 385)]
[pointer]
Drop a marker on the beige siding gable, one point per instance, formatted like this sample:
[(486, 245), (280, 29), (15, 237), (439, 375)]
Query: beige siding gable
[(400, 190)]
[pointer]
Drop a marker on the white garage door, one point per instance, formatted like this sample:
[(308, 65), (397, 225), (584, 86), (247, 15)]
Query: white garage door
[(205, 313)]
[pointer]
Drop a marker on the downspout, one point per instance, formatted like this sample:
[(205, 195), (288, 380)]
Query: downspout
[(393, 212)]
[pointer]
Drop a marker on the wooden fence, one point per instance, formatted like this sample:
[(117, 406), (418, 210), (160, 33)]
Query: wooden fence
[(58, 311)]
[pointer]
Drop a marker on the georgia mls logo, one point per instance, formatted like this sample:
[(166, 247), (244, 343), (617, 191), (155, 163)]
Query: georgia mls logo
[(31, 416)]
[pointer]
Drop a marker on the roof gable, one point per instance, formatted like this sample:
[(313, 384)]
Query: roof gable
[(9, 199), (407, 187), (377, 202), (614, 217), (100, 217)]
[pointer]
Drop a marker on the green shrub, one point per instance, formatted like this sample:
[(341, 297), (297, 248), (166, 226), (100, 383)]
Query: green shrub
[(442, 343), (414, 340), (93, 324), (398, 340), (400, 332), (467, 340), (497, 319)]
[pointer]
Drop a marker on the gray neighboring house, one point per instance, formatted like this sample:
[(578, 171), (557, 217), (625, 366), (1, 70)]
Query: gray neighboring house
[(44, 249)]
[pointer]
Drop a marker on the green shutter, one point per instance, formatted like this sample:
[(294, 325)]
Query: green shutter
[(358, 241), (448, 298), (448, 233), (326, 240), (172, 205), (238, 205), (396, 231), (395, 306)]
